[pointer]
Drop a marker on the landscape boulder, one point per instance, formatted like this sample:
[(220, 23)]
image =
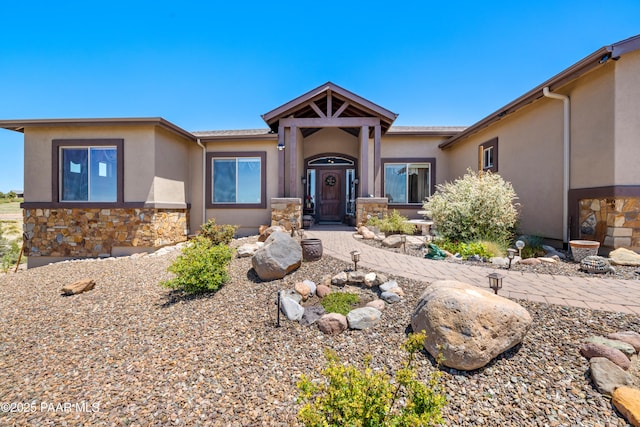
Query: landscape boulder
[(312, 314), (630, 337), (591, 350), (607, 376), (78, 287), (247, 250), (366, 233), (280, 255), (622, 256), (323, 290), (393, 241), (624, 347), (363, 318), (469, 324), (291, 309), (332, 323), (627, 402), (264, 235)]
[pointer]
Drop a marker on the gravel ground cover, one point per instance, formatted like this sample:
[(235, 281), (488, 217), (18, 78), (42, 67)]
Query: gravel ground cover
[(133, 353)]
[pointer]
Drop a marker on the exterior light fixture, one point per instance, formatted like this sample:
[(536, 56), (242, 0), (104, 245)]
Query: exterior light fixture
[(511, 254), (304, 180), (278, 314), (280, 146), (355, 257), (356, 181), (495, 281), (520, 245), (403, 239)]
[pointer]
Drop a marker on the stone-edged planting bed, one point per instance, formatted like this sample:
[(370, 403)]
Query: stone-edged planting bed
[(130, 352)]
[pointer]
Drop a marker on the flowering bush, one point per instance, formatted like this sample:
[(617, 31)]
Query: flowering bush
[(478, 206)]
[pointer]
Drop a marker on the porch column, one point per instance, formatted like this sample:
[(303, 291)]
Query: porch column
[(281, 164), (293, 161), (364, 161), (377, 162)]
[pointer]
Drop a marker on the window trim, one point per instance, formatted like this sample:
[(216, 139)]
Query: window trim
[(493, 145), (236, 154), (432, 177), (56, 146)]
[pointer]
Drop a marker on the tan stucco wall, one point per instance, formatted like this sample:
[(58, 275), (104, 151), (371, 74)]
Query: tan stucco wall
[(530, 157), (627, 119), (592, 128), (172, 166), (138, 147), (400, 146), (250, 219)]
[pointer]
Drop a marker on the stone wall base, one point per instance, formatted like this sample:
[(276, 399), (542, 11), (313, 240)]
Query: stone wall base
[(90, 233), (366, 207), (614, 222), (286, 211)]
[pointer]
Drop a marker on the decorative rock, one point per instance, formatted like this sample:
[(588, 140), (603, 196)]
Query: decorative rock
[(290, 293), (369, 279), (78, 287), (606, 375), (624, 347), (472, 325), (269, 231), (312, 314), (363, 318), (247, 250), (280, 256), (548, 260), (332, 323), (630, 337), (392, 241), (323, 290), (356, 277), (596, 264), (551, 252), (499, 261), (291, 309), (340, 279), (622, 256), (378, 304), (531, 261), (366, 233), (627, 402), (398, 291), (388, 285), (390, 297), (311, 285), (303, 290), (590, 350)]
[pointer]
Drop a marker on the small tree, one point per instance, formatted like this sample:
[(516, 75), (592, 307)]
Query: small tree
[(478, 206)]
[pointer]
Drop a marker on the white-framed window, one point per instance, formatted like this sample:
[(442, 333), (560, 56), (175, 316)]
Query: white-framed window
[(407, 183), (236, 180), (488, 155), (88, 174), (487, 158)]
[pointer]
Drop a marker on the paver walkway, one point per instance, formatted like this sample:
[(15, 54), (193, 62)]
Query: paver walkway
[(594, 293)]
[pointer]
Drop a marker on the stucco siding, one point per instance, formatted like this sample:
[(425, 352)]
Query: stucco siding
[(397, 146), (592, 129), (627, 119), (170, 184)]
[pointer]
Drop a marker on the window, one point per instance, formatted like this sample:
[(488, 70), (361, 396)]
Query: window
[(488, 153), (88, 171), (408, 182), (236, 180)]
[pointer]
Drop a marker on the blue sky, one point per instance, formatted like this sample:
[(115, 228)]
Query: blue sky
[(220, 65)]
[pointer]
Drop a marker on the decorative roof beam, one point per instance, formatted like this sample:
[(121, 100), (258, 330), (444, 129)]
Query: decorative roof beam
[(317, 109), (336, 122), (343, 107)]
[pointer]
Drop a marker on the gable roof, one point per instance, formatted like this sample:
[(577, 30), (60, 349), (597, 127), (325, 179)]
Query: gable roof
[(596, 59), (329, 96)]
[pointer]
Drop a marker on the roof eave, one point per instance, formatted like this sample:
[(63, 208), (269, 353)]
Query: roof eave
[(212, 138)]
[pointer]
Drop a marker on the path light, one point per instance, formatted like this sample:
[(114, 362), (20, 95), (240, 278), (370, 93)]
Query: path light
[(355, 257), (300, 233), (520, 246), (278, 315), (511, 254), (495, 281), (403, 239)]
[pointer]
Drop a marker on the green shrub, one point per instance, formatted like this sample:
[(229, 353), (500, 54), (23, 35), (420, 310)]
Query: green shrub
[(9, 252), (533, 246), (483, 249), (478, 206), (353, 397), (392, 224), (218, 234), (201, 267), (339, 302)]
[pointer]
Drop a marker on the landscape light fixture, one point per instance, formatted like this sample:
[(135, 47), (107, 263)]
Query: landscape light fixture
[(355, 257), (304, 180), (403, 239), (278, 314), (520, 245), (511, 254), (495, 281)]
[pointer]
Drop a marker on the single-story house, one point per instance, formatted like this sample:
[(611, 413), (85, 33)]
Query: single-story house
[(108, 187)]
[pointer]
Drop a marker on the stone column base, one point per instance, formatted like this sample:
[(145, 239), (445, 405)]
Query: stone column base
[(366, 207)]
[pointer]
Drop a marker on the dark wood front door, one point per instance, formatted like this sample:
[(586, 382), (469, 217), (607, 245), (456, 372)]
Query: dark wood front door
[(331, 196)]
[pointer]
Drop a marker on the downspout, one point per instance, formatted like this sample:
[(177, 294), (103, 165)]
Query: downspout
[(204, 180), (566, 161)]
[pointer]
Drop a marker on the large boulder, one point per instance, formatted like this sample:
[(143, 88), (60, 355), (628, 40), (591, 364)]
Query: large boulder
[(470, 325), (627, 402), (266, 233), (393, 241), (607, 376), (363, 317), (622, 256), (280, 255)]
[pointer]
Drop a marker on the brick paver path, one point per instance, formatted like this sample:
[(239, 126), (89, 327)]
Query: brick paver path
[(594, 293)]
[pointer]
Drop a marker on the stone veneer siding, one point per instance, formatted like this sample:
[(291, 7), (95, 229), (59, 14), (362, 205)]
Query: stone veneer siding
[(283, 209), (614, 222), (61, 232), (370, 206)]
